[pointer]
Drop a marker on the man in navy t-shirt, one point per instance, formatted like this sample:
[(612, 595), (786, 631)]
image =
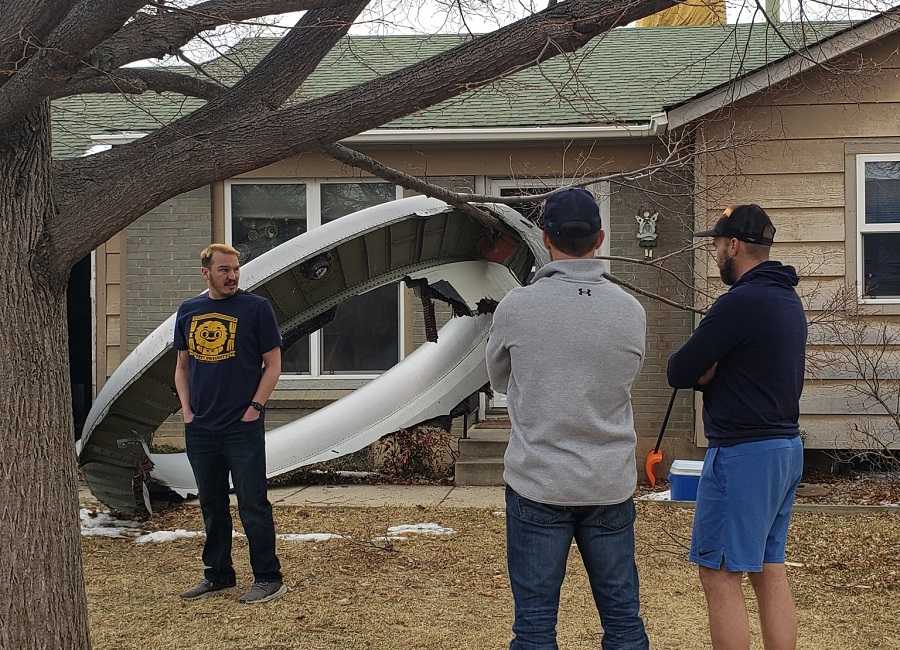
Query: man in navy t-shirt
[(229, 360)]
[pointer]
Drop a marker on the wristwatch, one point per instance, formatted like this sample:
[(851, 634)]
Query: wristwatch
[(259, 407)]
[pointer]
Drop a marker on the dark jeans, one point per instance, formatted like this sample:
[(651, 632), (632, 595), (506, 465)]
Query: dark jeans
[(538, 538), (243, 454)]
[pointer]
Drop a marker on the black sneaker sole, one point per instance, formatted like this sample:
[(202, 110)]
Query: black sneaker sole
[(278, 594)]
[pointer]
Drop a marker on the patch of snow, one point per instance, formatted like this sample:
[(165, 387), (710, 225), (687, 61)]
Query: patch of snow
[(160, 536), (308, 537), (103, 531), (420, 529), (97, 519), (657, 496), (95, 523), (499, 513)]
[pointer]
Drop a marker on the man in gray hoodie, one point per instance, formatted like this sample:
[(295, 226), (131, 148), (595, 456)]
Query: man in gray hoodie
[(566, 350)]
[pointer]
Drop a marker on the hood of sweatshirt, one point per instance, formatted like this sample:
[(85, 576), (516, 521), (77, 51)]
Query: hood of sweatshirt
[(770, 273), (585, 270)]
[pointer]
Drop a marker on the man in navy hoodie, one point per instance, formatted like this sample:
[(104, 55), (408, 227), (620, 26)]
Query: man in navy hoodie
[(747, 357)]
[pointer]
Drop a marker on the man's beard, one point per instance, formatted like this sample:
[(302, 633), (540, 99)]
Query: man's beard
[(727, 272), (224, 288)]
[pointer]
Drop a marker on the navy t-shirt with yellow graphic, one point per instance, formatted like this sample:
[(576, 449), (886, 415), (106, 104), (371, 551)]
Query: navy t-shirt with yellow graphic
[(226, 339)]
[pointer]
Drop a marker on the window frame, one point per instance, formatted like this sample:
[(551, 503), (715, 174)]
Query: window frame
[(863, 228), (314, 220)]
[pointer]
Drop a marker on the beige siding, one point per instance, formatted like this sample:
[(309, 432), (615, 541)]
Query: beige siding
[(786, 150), (109, 317), (504, 160)]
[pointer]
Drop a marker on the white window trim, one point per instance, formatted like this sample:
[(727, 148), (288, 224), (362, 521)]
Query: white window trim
[(314, 220), (867, 228)]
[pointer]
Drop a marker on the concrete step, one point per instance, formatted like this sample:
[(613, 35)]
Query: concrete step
[(479, 471), (484, 443), (494, 423)]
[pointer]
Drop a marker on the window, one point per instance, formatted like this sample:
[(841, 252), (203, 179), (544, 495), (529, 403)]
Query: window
[(878, 228), (365, 337)]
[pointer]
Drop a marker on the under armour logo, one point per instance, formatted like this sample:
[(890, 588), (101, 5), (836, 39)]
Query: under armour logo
[(584, 292)]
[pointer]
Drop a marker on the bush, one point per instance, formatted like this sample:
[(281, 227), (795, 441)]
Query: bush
[(426, 451)]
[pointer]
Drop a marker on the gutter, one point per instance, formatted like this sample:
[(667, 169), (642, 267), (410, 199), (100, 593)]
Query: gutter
[(505, 134), (654, 127)]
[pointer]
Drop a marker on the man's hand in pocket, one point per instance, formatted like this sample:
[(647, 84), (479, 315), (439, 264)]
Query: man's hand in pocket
[(250, 415)]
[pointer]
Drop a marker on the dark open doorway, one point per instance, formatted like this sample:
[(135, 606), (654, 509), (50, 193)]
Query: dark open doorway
[(80, 341)]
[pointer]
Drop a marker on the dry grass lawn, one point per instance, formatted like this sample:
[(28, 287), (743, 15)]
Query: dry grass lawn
[(452, 592)]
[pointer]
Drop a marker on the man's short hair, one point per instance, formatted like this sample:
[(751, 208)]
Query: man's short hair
[(574, 245), (206, 254), (757, 251)]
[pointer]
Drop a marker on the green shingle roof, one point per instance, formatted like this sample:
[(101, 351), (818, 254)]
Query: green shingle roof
[(625, 76)]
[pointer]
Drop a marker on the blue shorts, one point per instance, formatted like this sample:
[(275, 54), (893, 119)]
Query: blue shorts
[(744, 504)]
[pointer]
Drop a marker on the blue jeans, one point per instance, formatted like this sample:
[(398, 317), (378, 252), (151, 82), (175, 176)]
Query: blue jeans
[(538, 538), (243, 454)]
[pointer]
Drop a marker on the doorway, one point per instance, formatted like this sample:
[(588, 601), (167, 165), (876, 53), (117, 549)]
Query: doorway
[(78, 310)]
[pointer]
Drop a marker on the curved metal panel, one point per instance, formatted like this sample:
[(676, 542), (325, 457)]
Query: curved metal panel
[(411, 238)]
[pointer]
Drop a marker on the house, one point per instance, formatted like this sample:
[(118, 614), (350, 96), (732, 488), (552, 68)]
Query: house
[(766, 125)]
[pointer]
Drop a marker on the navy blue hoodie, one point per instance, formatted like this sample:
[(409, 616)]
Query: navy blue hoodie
[(756, 332)]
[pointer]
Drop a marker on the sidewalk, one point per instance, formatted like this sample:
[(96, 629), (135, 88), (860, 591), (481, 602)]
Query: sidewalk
[(446, 496), (382, 496)]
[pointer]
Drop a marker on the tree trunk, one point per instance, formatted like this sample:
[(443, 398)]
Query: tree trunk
[(42, 597)]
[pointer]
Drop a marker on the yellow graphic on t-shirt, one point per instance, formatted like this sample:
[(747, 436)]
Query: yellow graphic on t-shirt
[(212, 337)]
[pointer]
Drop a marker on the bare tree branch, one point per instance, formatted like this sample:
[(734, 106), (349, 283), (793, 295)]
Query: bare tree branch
[(171, 161), (636, 174), (140, 80), (296, 56), (265, 88), (153, 36), (87, 24), (361, 161), (649, 294)]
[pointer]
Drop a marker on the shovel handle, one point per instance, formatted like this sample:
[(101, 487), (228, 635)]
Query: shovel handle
[(665, 422)]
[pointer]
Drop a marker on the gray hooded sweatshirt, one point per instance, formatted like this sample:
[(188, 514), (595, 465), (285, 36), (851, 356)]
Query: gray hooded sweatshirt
[(566, 350)]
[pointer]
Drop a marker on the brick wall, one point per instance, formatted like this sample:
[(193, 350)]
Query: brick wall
[(667, 327), (163, 260)]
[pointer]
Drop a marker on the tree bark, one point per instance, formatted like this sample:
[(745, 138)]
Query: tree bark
[(42, 597)]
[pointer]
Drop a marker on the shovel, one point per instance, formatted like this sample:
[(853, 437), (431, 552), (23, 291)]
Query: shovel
[(655, 457)]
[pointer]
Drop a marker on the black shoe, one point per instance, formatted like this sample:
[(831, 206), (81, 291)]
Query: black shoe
[(204, 588), (263, 592)]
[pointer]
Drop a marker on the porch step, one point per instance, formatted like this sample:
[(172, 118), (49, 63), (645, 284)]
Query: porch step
[(479, 471), (484, 443), (480, 459)]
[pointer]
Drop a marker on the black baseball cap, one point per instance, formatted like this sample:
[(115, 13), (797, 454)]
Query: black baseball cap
[(572, 212), (749, 223)]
